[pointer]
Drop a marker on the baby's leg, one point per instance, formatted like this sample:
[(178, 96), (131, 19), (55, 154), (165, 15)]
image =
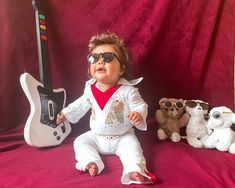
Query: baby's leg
[(133, 161), (86, 154)]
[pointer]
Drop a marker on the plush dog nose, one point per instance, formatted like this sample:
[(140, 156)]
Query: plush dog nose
[(206, 116), (199, 107)]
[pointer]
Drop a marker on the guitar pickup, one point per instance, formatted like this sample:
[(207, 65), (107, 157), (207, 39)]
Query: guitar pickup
[(51, 112), (63, 128)]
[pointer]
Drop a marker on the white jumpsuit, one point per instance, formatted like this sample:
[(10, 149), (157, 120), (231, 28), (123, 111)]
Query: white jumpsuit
[(111, 130)]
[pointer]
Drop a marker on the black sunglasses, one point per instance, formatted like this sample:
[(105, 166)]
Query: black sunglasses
[(193, 104), (106, 56)]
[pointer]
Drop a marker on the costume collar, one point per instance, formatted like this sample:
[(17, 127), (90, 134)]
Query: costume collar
[(122, 81)]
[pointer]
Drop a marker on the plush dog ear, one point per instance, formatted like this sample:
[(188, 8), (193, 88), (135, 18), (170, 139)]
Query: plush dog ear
[(162, 100), (233, 117)]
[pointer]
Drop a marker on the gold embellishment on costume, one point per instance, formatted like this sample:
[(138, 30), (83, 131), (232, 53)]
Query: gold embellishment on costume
[(115, 113), (110, 137), (93, 113), (109, 119)]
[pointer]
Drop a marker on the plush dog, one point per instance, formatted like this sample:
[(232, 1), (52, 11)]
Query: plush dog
[(171, 117), (222, 136), (196, 131)]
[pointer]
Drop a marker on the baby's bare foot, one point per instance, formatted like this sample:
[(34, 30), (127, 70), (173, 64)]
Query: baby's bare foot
[(92, 169), (137, 177)]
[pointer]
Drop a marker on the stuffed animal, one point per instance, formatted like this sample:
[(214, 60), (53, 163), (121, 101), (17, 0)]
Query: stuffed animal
[(196, 131), (222, 137), (171, 117)]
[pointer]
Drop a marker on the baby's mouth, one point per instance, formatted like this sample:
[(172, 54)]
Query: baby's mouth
[(100, 70)]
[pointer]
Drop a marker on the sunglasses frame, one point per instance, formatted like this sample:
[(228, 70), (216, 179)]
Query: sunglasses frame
[(218, 114), (205, 106), (173, 104), (101, 55)]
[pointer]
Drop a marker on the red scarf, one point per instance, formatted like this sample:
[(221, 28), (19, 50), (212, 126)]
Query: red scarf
[(103, 97)]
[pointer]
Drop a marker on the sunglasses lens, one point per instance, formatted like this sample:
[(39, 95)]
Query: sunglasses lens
[(108, 57), (204, 106), (179, 105), (93, 58), (216, 114), (168, 104), (191, 104)]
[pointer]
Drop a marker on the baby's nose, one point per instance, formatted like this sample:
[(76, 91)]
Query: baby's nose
[(101, 61)]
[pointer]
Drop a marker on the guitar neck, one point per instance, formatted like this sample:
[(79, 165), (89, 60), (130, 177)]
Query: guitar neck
[(42, 44)]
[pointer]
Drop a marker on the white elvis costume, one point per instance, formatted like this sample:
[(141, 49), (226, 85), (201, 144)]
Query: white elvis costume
[(111, 130)]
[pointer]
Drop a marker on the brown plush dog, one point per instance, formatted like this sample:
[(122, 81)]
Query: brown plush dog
[(171, 117)]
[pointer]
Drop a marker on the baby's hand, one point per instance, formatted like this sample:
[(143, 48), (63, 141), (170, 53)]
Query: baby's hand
[(60, 118), (135, 117)]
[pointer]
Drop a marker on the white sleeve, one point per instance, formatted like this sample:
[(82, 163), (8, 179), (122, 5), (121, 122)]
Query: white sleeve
[(77, 109), (136, 103)]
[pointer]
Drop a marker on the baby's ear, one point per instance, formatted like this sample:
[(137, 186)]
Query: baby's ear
[(123, 68), (88, 72)]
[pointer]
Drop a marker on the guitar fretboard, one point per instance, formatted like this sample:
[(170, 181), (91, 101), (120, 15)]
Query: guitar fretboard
[(42, 43)]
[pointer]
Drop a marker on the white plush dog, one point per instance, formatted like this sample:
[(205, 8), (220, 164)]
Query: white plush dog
[(222, 136), (196, 130)]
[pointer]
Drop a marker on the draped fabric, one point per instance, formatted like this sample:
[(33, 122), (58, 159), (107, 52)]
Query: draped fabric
[(182, 48)]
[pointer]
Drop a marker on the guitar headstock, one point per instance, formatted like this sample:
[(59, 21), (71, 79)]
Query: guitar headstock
[(35, 4), (38, 5)]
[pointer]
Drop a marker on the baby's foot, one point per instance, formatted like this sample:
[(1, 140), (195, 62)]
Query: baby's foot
[(92, 169), (137, 177)]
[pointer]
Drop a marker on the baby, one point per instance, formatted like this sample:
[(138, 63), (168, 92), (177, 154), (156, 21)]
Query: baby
[(116, 106)]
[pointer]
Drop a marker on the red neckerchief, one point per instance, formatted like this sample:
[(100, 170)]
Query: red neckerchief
[(103, 97)]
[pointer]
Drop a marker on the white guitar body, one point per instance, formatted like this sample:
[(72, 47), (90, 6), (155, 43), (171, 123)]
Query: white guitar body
[(41, 129)]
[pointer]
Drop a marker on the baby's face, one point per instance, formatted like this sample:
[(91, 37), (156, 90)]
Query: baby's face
[(106, 73)]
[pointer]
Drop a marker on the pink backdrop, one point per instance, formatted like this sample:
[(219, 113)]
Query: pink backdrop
[(182, 48)]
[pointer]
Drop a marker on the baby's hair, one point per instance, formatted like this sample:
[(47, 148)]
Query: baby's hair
[(119, 45)]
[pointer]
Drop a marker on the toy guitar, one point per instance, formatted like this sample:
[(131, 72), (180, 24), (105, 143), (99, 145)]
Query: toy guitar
[(41, 129)]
